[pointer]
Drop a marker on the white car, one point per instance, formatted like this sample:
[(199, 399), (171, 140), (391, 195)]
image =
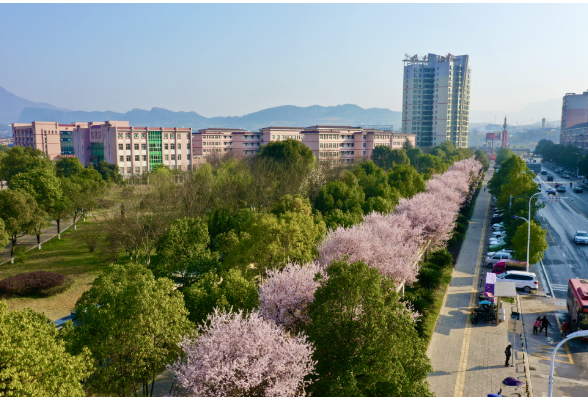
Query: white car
[(497, 257), (491, 253), (496, 242), (498, 228), (523, 280), (498, 225), (499, 234)]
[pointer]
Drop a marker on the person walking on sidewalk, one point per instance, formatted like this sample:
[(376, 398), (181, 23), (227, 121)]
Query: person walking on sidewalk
[(564, 329), (544, 324), (536, 325), (507, 353)]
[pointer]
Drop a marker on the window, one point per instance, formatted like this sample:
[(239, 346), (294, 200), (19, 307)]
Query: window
[(128, 146), (136, 158), (143, 146), (172, 146), (365, 145), (138, 170), (144, 157), (173, 157), (136, 146), (120, 146), (130, 170), (179, 157), (121, 158), (166, 157), (179, 146), (128, 158), (165, 146)]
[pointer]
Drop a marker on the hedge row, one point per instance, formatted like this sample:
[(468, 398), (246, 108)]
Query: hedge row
[(41, 283)]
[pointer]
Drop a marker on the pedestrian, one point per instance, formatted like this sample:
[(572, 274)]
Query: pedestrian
[(507, 353), (484, 187), (564, 329), (544, 324), (536, 325)]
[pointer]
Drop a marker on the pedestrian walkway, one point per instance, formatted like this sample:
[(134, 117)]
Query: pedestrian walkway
[(468, 360)]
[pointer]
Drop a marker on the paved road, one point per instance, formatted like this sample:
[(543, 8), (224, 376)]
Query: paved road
[(563, 260)]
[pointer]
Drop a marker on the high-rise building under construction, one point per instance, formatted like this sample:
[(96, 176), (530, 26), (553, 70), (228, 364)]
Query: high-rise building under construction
[(436, 99)]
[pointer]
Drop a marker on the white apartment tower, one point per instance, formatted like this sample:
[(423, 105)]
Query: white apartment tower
[(436, 99)]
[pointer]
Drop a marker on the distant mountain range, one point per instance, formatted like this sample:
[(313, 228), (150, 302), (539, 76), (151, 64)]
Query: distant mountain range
[(11, 106), (531, 113), (16, 109), (347, 114)]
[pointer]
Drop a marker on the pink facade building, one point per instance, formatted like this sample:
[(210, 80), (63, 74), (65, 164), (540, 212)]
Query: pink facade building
[(346, 143), (134, 149)]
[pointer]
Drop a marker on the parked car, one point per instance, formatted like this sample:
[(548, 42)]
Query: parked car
[(579, 189), (561, 188), (567, 176), (551, 191), (543, 172), (509, 265), (496, 242), (581, 237), (523, 280), (505, 250), (549, 178), (495, 220), (497, 257)]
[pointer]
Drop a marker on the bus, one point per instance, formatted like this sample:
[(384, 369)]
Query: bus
[(577, 302)]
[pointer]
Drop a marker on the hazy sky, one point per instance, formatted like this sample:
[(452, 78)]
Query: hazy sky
[(232, 59)]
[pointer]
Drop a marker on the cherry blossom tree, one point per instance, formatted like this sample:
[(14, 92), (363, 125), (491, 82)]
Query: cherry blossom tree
[(284, 295), (388, 242), (242, 355)]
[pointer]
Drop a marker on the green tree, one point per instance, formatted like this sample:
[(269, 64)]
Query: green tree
[(365, 340), (481, 156), (41, 183), (538, 242), (34, 360), (132, 324), (429, 164), (18, 210), (413, 155), (407, 145), (503, 154), (183, 251), (290, 151), (22, 159), (271, 241), (226, 291), (406, 180), (109, 172), (381, 156), (68, 166), (340, 195), (4, 238)]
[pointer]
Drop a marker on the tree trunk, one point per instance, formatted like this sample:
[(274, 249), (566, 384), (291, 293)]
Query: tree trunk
[(39, 241), (58, 229)]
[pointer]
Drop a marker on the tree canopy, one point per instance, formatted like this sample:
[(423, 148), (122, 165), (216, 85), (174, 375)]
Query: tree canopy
[(132, 324), (538, 242), (365, 338), (34, 360)]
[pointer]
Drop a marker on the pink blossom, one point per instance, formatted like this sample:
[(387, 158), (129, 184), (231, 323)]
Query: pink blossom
[(387, 242), (284, 295), (237, 355)]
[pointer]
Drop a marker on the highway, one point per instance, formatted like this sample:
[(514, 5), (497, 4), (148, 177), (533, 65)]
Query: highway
[(563, 259)]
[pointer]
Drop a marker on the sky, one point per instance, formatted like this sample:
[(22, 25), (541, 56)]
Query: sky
[(233, 59)]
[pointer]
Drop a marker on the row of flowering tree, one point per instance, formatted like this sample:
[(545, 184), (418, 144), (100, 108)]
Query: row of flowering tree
[(336, 326)]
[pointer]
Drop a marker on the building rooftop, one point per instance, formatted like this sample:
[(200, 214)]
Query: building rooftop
[(582, 125)]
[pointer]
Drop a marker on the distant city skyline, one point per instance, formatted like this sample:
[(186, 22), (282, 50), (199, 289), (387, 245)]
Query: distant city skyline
[(234, 59)]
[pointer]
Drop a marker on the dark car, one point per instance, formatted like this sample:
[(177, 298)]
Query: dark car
[(549, 178), (543, 172), (579, 189), (496, 220), (561, 188)]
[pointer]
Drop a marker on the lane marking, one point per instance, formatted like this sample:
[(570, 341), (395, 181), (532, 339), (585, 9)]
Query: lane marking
[(465, 348), (568, 380), (546, 278)]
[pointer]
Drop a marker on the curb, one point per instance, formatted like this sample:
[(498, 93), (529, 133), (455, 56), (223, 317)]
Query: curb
[(525, 355)]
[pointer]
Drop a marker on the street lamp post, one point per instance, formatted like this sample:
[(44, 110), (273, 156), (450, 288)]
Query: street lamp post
[(578, 166), (552, 367)]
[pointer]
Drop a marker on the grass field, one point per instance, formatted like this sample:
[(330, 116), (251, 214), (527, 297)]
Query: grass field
[(68, 256)]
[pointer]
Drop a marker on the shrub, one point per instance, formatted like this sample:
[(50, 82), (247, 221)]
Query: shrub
[(429, 278), (105, 203), (39, 282), (441, 257), (20, 254), (461, 228)]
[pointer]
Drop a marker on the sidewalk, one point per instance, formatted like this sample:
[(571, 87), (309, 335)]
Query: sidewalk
[(468, 360)]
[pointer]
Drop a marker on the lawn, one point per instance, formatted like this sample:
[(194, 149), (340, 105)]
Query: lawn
[(68, 256)]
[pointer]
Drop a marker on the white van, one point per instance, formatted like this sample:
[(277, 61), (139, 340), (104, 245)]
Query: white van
[(523, 280), (491, 261)]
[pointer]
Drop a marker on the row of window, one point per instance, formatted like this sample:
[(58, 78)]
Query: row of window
[(145, 169), (136, 135), (138, 158), (166, 146), (335, 145), (284, 137), (216, 137)]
